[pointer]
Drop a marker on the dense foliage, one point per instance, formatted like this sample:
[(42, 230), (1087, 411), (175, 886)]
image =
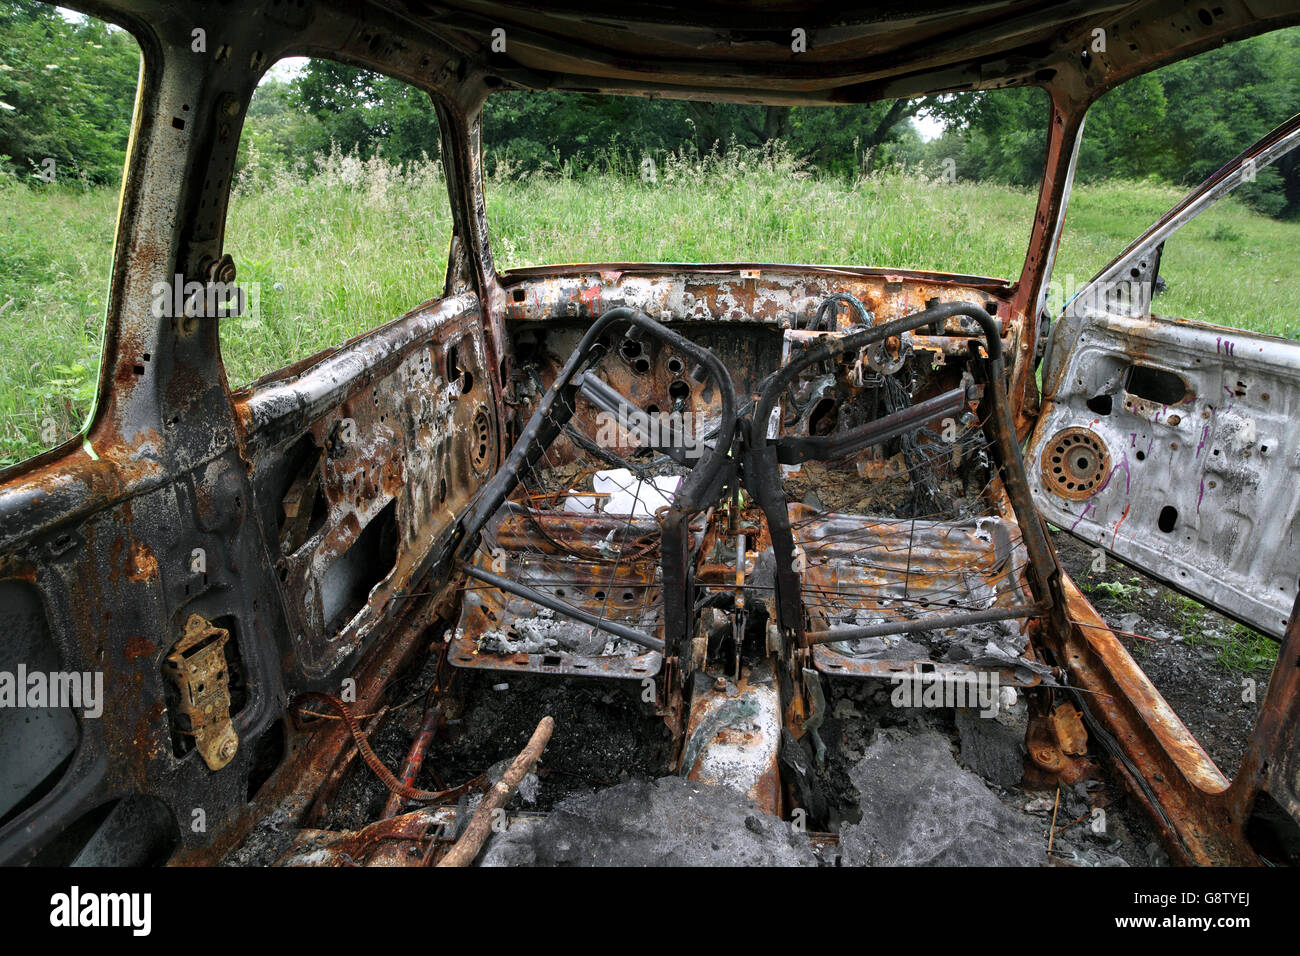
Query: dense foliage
[(66, 93)]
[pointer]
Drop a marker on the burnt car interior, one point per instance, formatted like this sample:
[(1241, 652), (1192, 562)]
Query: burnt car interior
[(685, 504)]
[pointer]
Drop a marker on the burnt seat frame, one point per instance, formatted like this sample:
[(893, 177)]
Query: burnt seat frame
[(764, 455), (701, 484)]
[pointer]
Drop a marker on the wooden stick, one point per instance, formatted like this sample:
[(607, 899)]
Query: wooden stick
[(1051, 835), (480, 825)]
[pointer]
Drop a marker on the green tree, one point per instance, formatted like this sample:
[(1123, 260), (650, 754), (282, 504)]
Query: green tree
[(1000, 135), (848, 139), (365, 111), (67, 89), (1223, 101), (1125, 134), (277, 129)]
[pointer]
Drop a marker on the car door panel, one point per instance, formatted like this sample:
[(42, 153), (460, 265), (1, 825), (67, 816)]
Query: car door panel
[(1169, 443), (111, 588), (1204, 491), (400, 428)]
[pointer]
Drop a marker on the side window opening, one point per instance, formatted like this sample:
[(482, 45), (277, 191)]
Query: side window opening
[(67, 91), (1154, 138), (339, 218)]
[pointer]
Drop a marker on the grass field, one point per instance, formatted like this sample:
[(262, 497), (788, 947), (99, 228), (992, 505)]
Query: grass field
[(355, 244)]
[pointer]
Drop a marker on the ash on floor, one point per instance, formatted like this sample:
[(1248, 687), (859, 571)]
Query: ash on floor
[(880, 760), (921, 808), (898, 784), (663, 822)]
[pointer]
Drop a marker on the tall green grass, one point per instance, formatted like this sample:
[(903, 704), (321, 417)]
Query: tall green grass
[(342, 245), (56, 249), (335, 251)]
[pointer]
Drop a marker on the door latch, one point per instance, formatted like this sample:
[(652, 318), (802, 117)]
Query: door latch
[(197, 669)]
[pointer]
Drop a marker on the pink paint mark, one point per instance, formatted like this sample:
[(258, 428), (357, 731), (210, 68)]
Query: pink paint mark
[(1127, 477), (1204, 432), (1086, 508), (1200, 496)]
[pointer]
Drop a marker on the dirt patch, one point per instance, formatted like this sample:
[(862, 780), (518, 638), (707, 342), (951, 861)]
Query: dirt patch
[(1198, 659), (604, 733)]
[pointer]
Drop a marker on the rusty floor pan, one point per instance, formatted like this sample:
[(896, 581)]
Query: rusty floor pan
[(864, 570), (573, 557)]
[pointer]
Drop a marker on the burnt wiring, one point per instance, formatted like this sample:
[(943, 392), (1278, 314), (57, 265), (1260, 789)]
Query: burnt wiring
[(826, 311), (920, 464)]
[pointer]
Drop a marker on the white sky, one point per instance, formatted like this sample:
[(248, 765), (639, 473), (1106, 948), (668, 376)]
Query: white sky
[(929, 127), (287, 68)]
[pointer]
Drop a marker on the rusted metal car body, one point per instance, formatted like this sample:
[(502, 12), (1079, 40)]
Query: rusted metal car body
[(325, 527)]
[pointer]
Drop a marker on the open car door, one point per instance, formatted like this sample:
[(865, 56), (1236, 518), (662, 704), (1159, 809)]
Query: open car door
[(1172, 444)]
